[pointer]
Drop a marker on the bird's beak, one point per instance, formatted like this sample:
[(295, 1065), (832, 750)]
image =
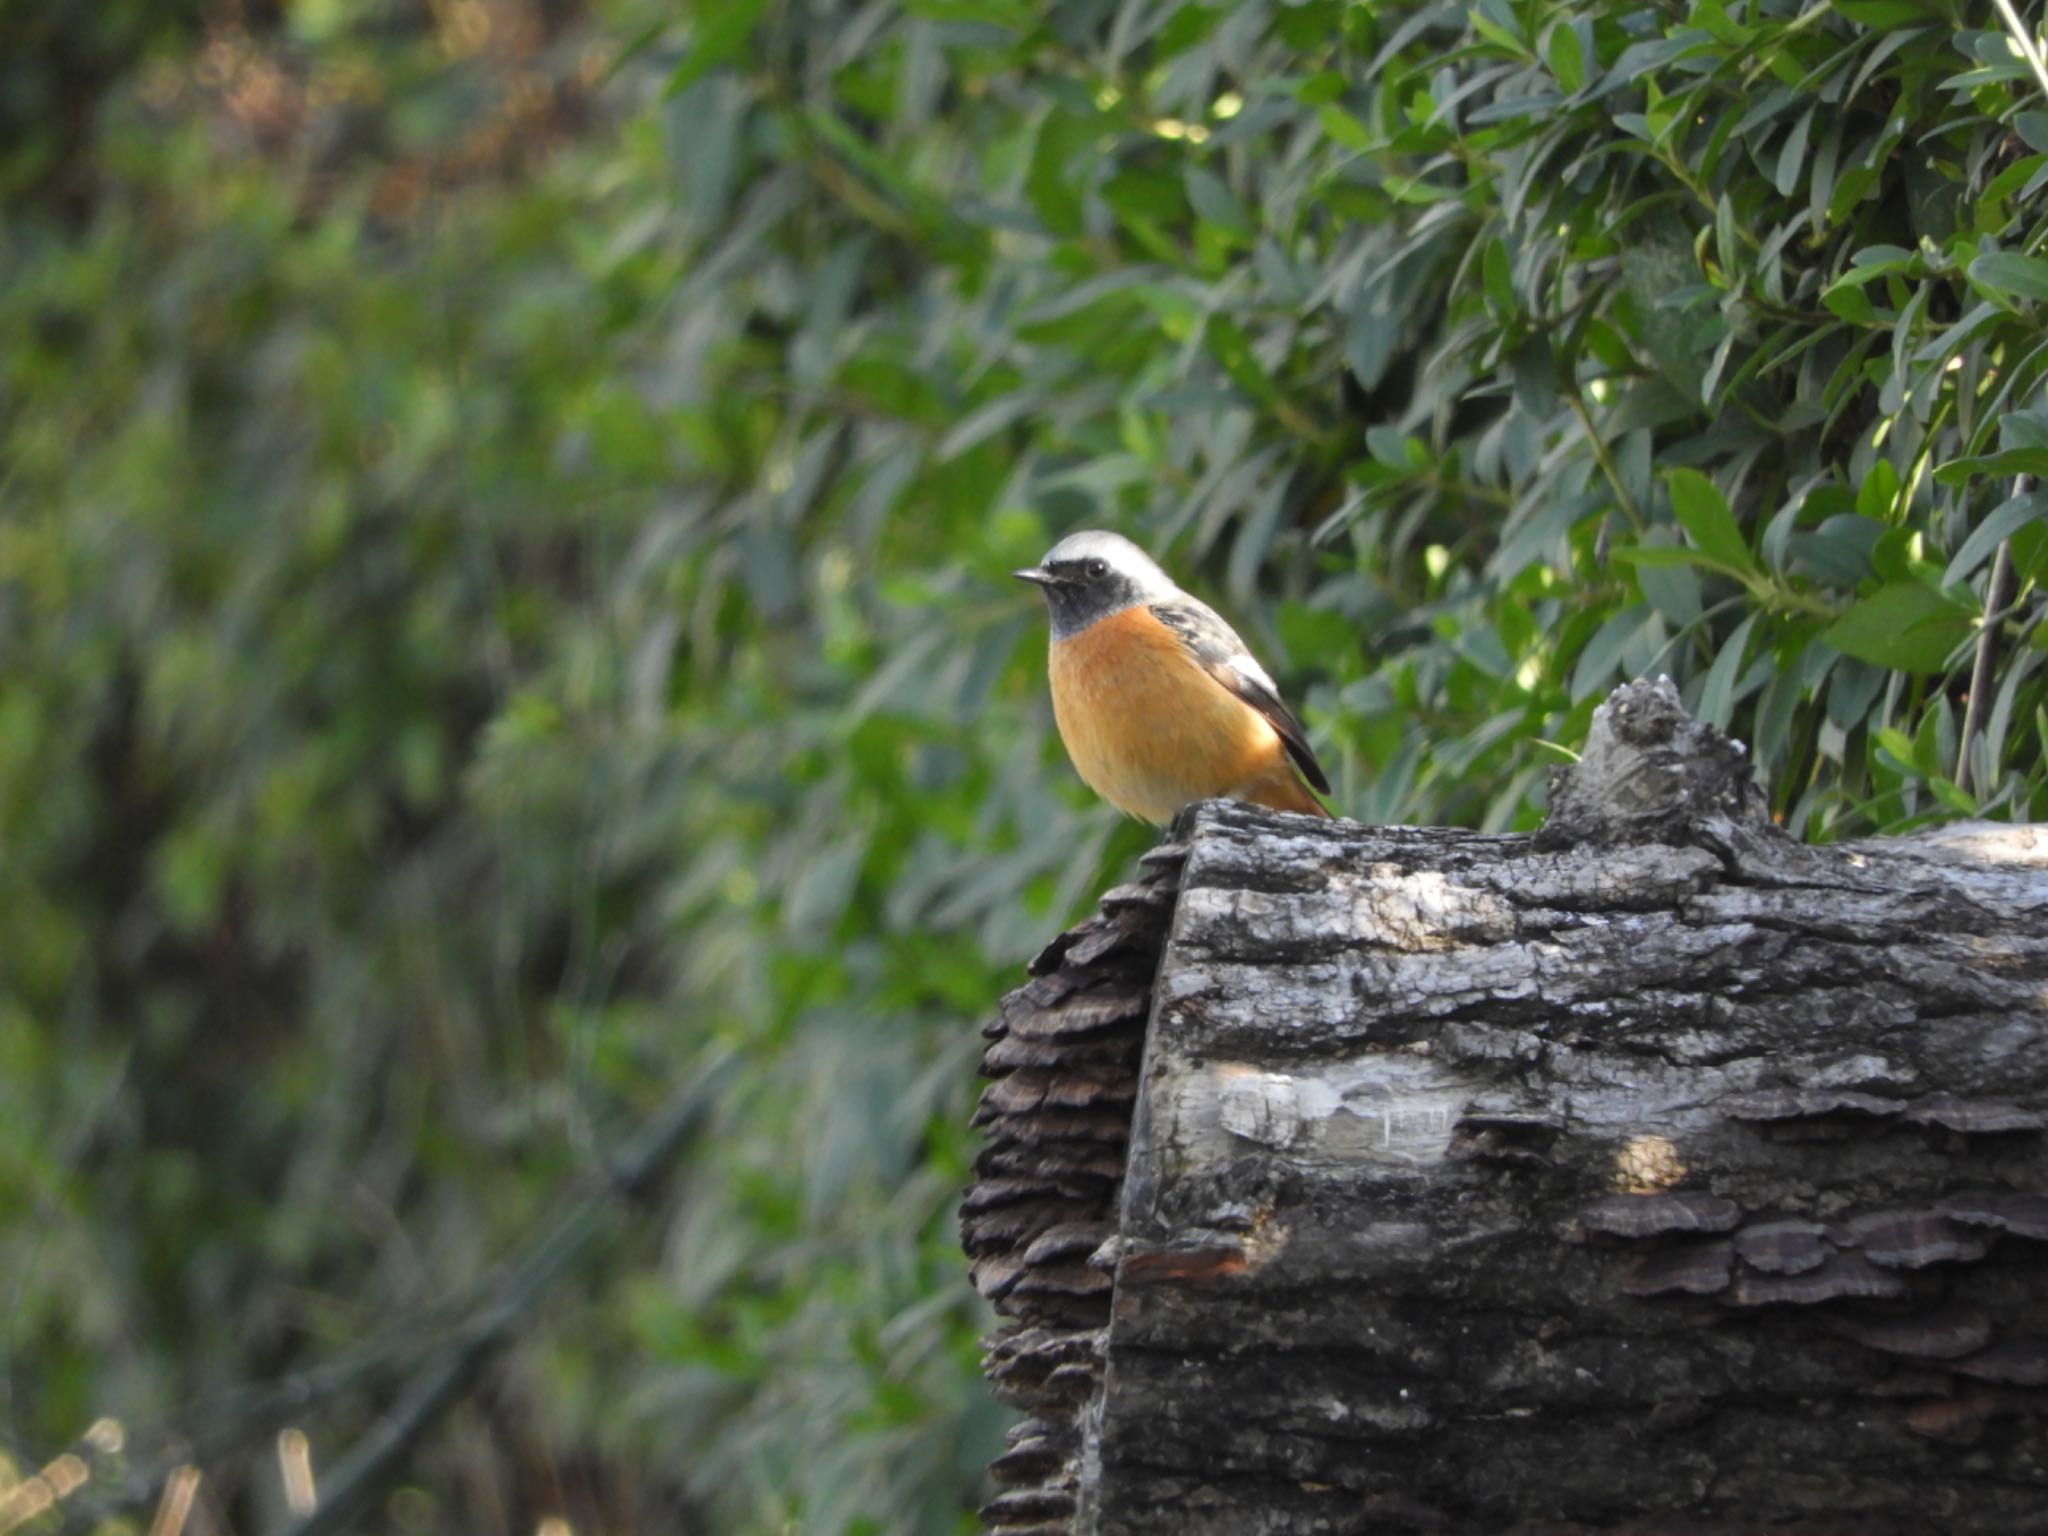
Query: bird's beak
[(1038, 576)]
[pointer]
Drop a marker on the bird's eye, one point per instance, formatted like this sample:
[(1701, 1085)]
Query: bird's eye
[(1097, 569)]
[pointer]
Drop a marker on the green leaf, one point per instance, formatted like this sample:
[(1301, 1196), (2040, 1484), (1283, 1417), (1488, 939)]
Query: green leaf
[(1320, 89), (1714, 18), (1214, 203), (1189, 25), (1957, 800), (1884, 15), (1848, 300), (2023, 429), (1659, 556), (1845, 296), (1672, 589), (1703, 513), (2008, 272), (1792, 155), (715, 41), (1873, 259), (1907, 626), (1230, 347), (1495, 33), (1838, 552), (1565, 56), (1899, 746), (1496, 274), (1601, 660), (2010, 461), (1343, 128), (1717, 693), (1935, 742), (1999, 525), (1063, 145), (1879, 491)]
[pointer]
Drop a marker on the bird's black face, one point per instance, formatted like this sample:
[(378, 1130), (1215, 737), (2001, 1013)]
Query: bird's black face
[(1081, 591), (1088, 576)]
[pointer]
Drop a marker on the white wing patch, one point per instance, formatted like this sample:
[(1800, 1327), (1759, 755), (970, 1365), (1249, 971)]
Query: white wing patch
[(1243, 664)]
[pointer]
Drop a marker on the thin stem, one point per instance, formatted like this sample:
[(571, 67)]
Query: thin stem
[(1605, 460), (1996, 597), (2024, 41)]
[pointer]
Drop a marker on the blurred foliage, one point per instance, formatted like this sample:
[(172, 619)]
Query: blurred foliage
[(502, 587)]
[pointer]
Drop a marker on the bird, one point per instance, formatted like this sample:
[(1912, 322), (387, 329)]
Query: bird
[(1159, 702)]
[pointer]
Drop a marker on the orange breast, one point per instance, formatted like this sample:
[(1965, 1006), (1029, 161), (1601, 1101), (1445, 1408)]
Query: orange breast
[(1150, 731)]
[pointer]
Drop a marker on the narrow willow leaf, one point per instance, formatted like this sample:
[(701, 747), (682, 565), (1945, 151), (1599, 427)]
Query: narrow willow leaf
[(1214, 202), (1717, 693), (2008, 272), (2000, 524), (1883, 15), (1702, 511), (1907, 626), (714, 41), (1566, 58)]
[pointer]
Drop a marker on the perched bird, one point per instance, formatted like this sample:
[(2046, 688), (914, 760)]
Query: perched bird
[(1158, 701)]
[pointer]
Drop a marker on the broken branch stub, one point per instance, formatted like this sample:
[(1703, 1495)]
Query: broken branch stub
[(1650, 773)]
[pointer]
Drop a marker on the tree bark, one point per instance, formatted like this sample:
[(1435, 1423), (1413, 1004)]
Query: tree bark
[(1652, 1174)]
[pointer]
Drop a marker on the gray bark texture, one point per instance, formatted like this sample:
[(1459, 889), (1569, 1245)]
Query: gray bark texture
[(1652, 1174)]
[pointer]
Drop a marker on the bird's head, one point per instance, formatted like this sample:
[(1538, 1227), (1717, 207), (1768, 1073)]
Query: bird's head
[(1091, 575)]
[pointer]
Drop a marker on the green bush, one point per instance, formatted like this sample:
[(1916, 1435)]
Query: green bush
[(503, 565)]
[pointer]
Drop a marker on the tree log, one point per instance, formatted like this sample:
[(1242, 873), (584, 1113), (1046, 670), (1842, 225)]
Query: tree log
[(1652, 1174)]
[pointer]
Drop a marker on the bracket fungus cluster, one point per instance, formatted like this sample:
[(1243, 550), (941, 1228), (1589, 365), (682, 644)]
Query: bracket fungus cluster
[(1062, 1060), (1939, 1297)]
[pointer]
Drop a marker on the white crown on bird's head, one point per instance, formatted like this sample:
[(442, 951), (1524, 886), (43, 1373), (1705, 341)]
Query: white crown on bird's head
[(1092, 574)]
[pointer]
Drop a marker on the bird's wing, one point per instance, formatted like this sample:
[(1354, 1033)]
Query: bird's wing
[(1223, 656)]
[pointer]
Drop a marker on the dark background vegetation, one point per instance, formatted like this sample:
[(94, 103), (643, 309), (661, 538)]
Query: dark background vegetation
[(504, 513)]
